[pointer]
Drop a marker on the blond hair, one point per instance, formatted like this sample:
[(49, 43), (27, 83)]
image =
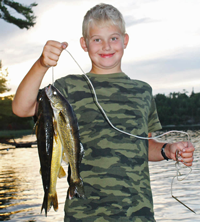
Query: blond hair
[(102, 14)]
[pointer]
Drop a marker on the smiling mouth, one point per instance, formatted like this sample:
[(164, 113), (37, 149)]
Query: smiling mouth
[(107, 55)]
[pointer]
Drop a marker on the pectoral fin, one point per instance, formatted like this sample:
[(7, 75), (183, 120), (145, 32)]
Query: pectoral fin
[(61, 172), (64, 158)]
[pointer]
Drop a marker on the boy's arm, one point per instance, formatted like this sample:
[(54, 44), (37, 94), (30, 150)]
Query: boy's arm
[(186, 151), (24, 103)]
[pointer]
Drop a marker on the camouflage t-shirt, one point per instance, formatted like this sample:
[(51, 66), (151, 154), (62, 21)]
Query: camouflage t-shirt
[(114, 168)]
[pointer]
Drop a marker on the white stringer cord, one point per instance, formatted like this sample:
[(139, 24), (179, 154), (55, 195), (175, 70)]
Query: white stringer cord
[(139, 137), (106, 117)]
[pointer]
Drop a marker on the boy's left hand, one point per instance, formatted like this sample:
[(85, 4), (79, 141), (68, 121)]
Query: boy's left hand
[(185, 154)]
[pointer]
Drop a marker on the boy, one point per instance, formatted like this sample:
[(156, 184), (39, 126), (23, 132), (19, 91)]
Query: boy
[(115, 166)]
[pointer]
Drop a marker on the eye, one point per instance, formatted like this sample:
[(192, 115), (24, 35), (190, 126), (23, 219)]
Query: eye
[(97, 40), (55, 93), (114, 38)]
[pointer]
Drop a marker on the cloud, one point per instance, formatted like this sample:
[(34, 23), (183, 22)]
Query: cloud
[(188, 60), (7, 30), (130, 20), (17, 48), (170, 73)]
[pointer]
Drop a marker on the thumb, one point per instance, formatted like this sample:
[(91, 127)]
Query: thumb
[(64, 45)]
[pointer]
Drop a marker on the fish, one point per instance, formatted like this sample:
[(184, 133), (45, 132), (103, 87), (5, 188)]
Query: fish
[(68, 130), (57, 170), (44, 133), (50, 152)]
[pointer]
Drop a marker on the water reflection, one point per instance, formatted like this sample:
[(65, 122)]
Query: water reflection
[(5, 195), (16, 183), (21, 192), (187, 190)]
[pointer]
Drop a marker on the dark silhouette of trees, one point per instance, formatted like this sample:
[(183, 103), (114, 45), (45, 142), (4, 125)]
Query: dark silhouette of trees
[(8, 120), (174, 109), (178, 108), (3, 79), (6, 6)]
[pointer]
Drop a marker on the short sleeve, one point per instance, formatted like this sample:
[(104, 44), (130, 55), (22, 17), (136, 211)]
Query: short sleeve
[(153, 120)]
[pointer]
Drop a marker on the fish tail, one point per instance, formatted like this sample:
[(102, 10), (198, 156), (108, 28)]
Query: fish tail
[(76, 189), (53, 201), (44, 204)]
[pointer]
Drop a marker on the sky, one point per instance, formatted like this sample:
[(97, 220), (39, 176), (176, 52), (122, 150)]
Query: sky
[(163, 49)]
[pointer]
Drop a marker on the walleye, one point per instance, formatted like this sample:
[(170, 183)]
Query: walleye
[(56, 170), (44, 134), (50, 152), (68, 131)]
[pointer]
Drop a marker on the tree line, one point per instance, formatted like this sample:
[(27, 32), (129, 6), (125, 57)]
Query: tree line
[(8, 120), (174, 109), (178, 108)]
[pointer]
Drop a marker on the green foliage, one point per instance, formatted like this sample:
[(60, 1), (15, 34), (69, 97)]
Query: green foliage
[(25, 11), (8, 120), (178, 108), (3, 80), (174, 109), (10, 134)]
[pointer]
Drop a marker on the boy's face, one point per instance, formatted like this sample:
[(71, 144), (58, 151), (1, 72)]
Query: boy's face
[(105, 47)]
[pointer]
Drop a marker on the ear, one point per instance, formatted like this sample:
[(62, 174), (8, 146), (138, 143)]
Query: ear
[(126, 40), (83, 44)]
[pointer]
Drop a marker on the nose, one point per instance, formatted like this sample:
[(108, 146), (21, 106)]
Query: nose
[(106, 45)]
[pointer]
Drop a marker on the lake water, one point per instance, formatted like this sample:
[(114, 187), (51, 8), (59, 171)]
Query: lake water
[(21, 192)]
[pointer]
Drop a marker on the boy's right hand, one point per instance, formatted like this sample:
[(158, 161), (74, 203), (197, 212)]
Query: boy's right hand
[(51, 53)]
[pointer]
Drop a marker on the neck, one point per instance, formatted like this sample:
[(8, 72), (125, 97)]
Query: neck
[(97, 70)]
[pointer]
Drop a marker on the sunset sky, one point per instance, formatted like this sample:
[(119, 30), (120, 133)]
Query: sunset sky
[(163, 50)]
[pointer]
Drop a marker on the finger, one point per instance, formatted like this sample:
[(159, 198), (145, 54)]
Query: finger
[(180, 145), (186, 158), (185, 144), (64, 45), (49, 58), (186, 161), (48, 61), (49, 49), (187, 155), (53, 43), (188, 164), (190, 149), (51, 62), (56, 48), (57, 45), (53, 57)]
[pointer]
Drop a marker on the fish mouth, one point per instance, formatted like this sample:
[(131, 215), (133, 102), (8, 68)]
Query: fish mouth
[(50, 95), (48, 91)]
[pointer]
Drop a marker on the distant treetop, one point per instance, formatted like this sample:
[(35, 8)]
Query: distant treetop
[(26, 11)]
